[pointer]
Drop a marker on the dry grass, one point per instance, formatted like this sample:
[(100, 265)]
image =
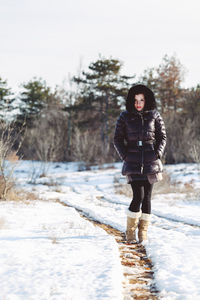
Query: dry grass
[(12, 157), (162, 187), (123, 189), (6, 178), (166, 186), (2, 223), (54, 239), (20, 195), (102, 167), (58, 190), (5, 187), (51, 182)]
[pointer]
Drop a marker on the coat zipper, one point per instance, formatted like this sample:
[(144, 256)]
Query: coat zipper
[(142, 166)]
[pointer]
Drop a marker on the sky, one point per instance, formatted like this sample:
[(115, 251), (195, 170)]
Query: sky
[(55, 39)]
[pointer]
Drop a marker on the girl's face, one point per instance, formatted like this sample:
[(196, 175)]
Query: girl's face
[(139, 102)]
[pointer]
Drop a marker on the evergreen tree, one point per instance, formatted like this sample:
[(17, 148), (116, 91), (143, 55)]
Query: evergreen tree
[(6, 98), (102, 92), (66, 95), (35, 97)]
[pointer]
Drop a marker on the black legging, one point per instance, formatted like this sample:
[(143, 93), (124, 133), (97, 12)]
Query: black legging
[(142, 190)]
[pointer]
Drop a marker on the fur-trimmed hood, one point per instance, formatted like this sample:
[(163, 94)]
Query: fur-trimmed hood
[(150, 102)]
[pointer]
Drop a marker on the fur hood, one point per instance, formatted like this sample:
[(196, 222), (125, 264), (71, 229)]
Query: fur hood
[(150, 102)]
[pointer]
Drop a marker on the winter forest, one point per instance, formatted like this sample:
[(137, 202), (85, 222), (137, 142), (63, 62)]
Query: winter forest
[(57, 124)]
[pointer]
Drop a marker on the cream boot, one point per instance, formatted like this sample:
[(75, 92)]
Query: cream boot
[(132, 223), (143, 226)]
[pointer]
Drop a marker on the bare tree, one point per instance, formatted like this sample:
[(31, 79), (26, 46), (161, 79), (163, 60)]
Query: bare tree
[(85, 148), (47, 140), (8, 157), (196, 153)]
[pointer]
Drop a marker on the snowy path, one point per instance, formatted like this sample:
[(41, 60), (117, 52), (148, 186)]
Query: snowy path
[(49, 252), (93, 193), (174, 235)]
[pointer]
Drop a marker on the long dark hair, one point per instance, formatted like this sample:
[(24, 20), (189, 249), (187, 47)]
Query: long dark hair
[(150, 102)]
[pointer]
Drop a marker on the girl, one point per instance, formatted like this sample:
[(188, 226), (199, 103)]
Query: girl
[(140, 140)]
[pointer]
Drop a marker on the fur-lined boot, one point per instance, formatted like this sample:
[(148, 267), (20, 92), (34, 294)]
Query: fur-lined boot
[(132, 223), (143, 227)]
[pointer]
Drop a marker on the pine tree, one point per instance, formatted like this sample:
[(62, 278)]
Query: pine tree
[(6, 98), (102, 92), (35, 97)]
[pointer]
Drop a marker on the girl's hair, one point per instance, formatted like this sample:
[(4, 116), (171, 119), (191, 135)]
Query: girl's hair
[(150, 102)]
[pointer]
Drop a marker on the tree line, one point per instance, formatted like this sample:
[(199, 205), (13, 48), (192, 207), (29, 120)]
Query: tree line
[(77, 123)]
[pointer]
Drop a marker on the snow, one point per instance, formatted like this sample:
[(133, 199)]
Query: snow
[(48, 251), (87, 259), (185, 174)]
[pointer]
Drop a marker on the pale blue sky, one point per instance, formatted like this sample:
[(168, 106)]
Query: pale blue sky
[(49, 38)]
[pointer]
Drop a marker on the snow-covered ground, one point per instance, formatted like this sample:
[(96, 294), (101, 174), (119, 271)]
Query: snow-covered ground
[(47, 251), (89, 266)]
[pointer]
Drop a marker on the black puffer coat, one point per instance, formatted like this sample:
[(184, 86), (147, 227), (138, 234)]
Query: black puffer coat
[(140, 137)]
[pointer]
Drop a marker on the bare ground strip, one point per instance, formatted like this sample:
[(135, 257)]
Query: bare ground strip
[(138, 280)]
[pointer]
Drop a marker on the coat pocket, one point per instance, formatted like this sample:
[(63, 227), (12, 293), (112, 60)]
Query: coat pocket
[(129, 168), (150, 156)]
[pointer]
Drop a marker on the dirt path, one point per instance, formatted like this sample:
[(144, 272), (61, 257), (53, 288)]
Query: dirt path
[(138, 275)]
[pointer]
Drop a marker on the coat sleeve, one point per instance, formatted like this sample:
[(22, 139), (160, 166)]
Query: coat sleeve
[(119, 137), (160, 135)]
